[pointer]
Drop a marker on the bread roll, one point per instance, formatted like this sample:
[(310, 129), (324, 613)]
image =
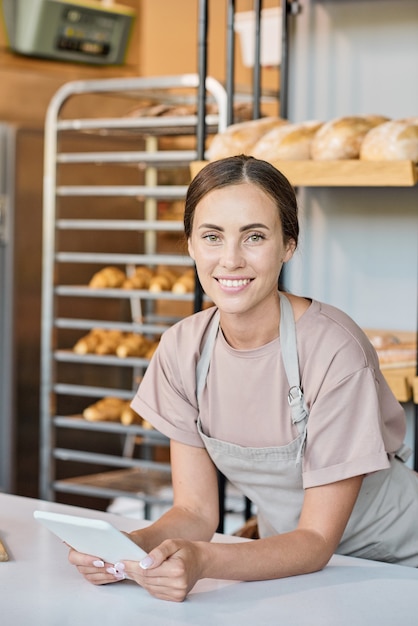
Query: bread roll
[(186, 283), (140, 279), (132, 345), (341, 138), (107, 410), (396, 140), (129, 416), (241, 138), (163, 280), (109, 342), (108, 277), (289, 142), (89, 342)]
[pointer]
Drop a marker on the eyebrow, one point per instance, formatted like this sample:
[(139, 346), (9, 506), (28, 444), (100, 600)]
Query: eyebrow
[(242, 229)]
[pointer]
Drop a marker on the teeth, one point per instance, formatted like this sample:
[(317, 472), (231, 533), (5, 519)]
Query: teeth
[(234, 283)]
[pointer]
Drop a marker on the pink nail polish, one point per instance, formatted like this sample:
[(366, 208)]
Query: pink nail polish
[(146, 562), (119, 567), (98, 563)]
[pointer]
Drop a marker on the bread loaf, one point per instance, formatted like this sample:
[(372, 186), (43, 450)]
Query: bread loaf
[(341, 138), (241, 138), (396, 140), (289, 142)]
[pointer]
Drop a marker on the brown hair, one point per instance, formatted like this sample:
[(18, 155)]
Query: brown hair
[(245, 169)]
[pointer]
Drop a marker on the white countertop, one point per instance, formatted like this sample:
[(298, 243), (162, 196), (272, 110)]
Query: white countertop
[(38, 587)]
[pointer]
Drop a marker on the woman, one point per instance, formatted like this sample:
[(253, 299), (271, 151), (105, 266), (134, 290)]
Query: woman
[(318, 456)]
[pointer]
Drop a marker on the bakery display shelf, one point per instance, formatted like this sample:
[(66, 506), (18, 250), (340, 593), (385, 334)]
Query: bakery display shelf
[(78, 422), (352, 173), (403, 381), (120, 225), (140, 156), (147, 126), (107, 292), (131, 327), (109, 258), (161, 158), (67, 356), (166, 192), (111, 460), (145, 484), (88, 391)]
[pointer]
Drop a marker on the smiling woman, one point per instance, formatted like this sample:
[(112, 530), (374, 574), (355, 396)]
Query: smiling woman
[(282, 394)]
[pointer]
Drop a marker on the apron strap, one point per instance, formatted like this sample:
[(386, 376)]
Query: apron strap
[(300, 412), (202, 366)]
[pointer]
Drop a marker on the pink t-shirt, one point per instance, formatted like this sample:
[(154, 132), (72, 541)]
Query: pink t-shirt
[(354, 420)]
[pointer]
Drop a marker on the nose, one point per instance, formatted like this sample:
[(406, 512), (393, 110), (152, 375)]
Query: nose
[(231, 257)]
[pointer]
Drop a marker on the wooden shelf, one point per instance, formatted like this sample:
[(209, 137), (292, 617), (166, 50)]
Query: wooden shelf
[(353, 173), (403, 382)]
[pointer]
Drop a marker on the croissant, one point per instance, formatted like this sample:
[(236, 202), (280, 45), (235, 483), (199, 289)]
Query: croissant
[(107, 410), (186, 283), (108, 277)]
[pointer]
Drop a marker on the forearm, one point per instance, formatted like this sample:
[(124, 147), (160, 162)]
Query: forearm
[(177, 523), (289, 554)]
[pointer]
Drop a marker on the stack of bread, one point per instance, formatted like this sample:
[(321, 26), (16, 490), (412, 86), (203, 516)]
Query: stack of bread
[(366, 137), (162, 279), (112, 409), (392, 349), (102, 342)]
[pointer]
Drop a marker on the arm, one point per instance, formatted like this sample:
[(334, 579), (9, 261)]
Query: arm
[(194, 514), (176, 565), (193, 517)]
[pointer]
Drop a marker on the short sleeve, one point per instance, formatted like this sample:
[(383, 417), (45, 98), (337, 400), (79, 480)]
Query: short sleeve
[(344, 434), (166, 394)]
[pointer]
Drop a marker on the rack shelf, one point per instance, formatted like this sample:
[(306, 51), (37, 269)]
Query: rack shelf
[(89, 221)]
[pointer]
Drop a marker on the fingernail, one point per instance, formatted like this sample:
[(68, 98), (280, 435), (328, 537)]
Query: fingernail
[(146, 562), (119, 567), (98, 563), (116, 574)]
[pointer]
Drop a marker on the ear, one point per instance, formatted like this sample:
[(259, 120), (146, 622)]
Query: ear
[(190, 248), (290, 248)]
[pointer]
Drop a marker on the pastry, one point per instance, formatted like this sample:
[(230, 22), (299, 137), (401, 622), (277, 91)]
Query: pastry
[(108, 277)]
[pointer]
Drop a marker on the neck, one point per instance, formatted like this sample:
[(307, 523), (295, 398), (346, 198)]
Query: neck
[(252, 329)]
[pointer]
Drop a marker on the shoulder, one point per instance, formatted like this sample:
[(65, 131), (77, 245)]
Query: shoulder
[(188, 334), (333, 336)]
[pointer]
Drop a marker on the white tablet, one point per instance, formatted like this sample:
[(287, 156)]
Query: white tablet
[(92, 536)]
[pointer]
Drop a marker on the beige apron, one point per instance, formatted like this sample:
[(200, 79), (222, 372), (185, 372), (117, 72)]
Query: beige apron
[(384, 522)]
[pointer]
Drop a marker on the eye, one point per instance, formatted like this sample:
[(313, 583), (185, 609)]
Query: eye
[(211, 237), (255, 237)]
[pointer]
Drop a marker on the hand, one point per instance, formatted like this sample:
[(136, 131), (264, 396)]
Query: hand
[(95, 570), (170, 571)]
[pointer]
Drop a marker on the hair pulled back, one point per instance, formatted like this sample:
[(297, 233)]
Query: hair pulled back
[(245, 169)]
